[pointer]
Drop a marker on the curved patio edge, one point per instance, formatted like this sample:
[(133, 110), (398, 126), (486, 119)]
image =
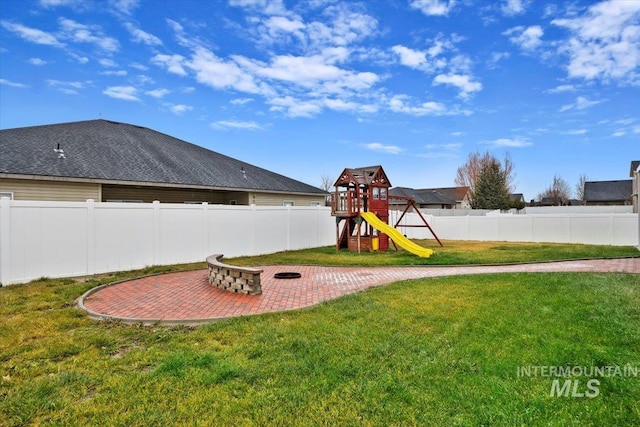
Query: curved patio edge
[(187, 297)]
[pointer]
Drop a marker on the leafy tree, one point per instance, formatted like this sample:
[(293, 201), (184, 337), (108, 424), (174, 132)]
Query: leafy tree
[(517, 204), (468, 174), (558, 192), (492, 190)]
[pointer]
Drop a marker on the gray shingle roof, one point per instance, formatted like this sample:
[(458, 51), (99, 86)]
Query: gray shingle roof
[(112, 151), (608, 191), (423, 197)]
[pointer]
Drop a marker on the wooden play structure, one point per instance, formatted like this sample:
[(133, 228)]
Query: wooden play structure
[(361, 199)]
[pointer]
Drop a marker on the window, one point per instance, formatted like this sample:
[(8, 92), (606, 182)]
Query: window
[(315, 204), (376, 193), (383, 194), (288, 203), (233, 202), (7, 195)]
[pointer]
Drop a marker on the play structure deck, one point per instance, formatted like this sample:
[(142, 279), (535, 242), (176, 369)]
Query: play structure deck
[(361, 200)]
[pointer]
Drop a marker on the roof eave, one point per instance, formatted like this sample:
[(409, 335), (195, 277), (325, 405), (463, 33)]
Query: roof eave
[(320, 193)]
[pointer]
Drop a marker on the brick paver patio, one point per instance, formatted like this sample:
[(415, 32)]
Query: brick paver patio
[(187, 297)]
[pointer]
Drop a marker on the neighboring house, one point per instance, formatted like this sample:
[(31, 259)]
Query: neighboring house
[(459, 194), (635, 174), (608, 192), (549, 201), (435, 198), (517, 200), (425, 198), (110, 161)]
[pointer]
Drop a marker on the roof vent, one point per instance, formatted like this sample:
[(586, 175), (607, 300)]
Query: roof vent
[(244, 172), (60, 152)]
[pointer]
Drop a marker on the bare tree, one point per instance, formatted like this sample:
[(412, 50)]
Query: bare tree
[(559, 192), (580, 187), (467, 175), (325, 182)]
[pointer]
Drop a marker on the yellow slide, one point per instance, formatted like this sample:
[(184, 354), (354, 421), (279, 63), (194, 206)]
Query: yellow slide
[(395, 235)]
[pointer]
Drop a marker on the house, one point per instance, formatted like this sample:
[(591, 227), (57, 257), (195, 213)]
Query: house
[(425, 198), (435, 198), (517, 200), (110, 161), (635, 174), (608, 192)]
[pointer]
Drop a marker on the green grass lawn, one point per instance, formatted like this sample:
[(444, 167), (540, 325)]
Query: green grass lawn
[(440, 351), (452, 253)]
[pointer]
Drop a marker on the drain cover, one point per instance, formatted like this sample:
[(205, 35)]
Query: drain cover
[(287, 275)]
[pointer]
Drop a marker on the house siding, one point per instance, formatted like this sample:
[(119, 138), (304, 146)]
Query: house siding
[(276, 199), (163, 195), (34, 189)]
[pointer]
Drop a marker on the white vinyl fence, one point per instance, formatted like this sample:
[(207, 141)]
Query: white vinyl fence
[(600, 229), (61, 239), (535, 210)]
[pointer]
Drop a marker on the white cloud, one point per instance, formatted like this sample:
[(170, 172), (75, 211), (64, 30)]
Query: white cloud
[(509, 142), (498, 56), (339, 24), (604, 42), (173, 63), (577, 132), (37, 61), (389, 149), (81, 33), (619, 133), (294, 107), (126, 93), (527, 38), (12, 84), (409, 57), (433, 7), (124, 6), (218, 73), (398, 105), (140, 36), (107, 63), (138, 66), (241, 101), (180, 109), (513, 7), (316, 72), (266, 7), (580, 104), (32, 35), (234, 124), (69, 88), (120, 73), (54, 3), (562, 88), (158, 93), (462, 82), (282, 24)]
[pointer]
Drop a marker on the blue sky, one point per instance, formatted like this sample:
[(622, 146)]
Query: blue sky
[(307, 88)]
